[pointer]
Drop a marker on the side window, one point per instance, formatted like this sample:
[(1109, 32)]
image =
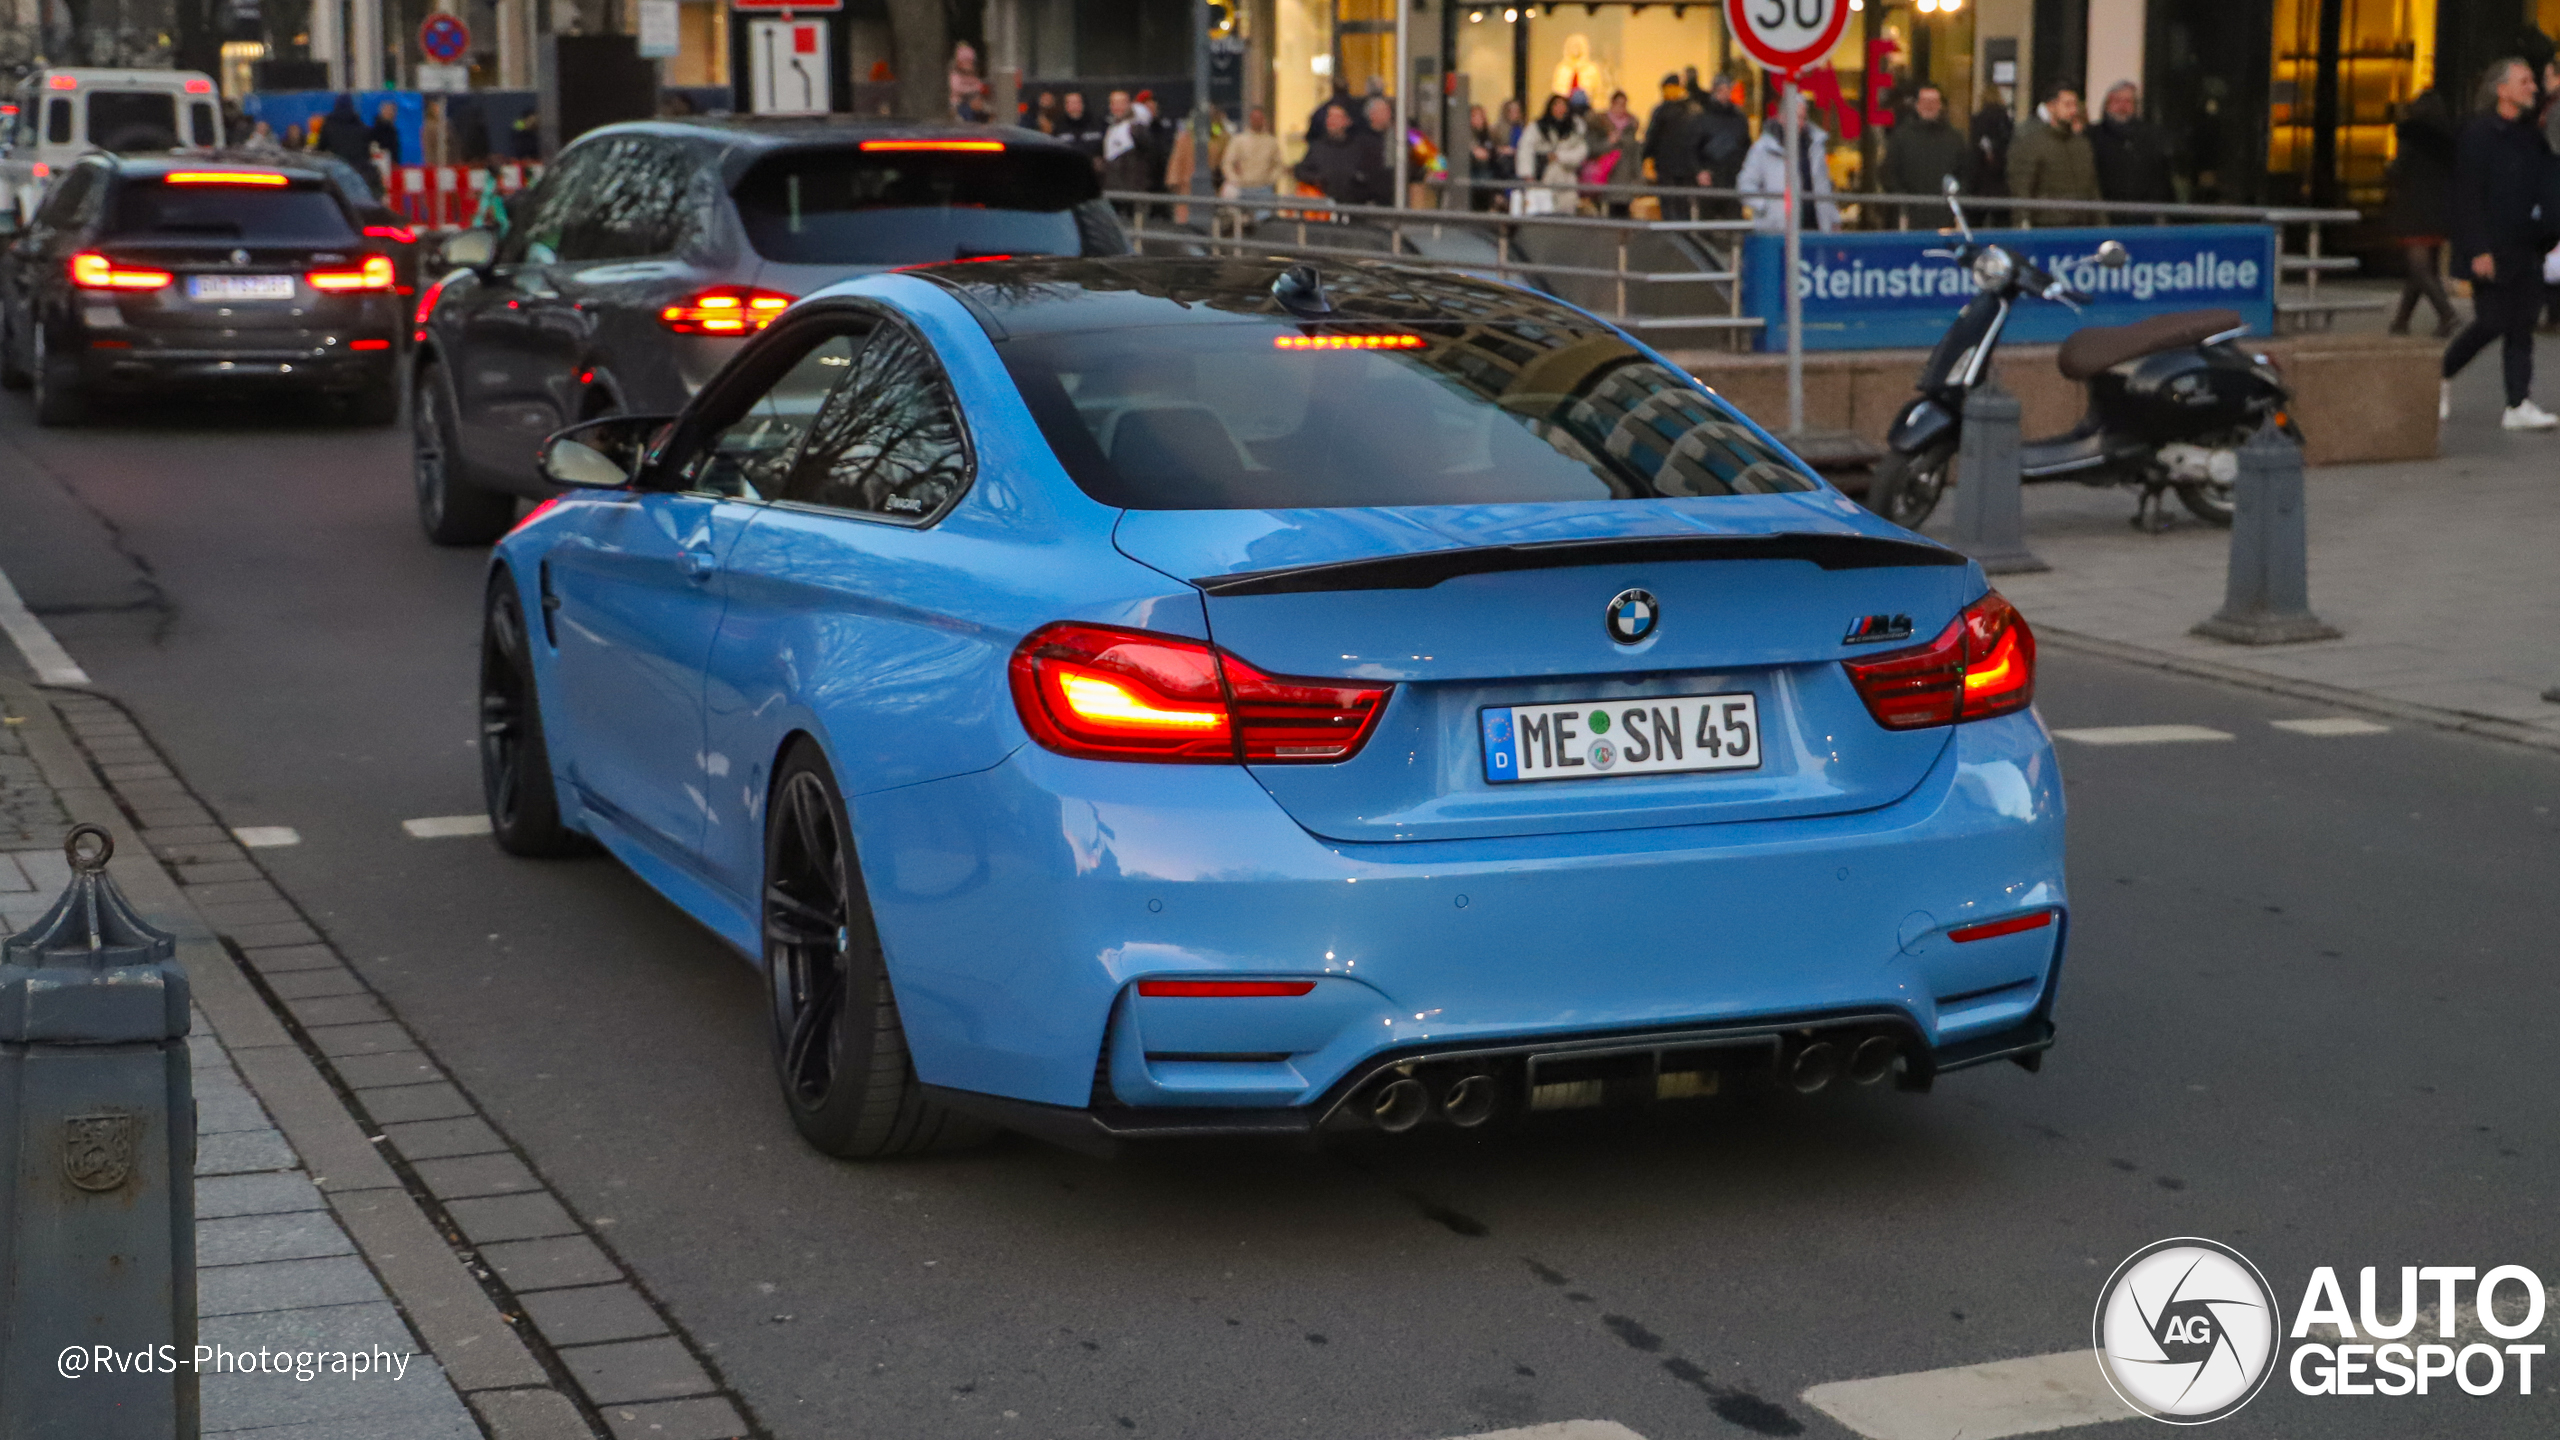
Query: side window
[(637, 205), (750, 456), (57, 121), (70, 196), (888, 443), (534, 230), (208, 131)]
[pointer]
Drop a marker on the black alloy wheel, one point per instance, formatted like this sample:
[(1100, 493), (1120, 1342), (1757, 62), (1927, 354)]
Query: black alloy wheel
[(59, 402), (1906, 488), (515, 763), (839, 1051), (13, 375), (451, 509)]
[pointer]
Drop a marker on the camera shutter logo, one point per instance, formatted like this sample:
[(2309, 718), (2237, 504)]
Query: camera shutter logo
[(2186, 1331)]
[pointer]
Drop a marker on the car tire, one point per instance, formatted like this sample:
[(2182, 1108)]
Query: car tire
[(839, 1051), (515, 760), (1906, 487), (13, 376), (59, 403), (451, 509)]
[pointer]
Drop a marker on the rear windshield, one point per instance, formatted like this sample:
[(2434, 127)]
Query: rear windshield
[(303, 214), (846, 207), (1252, 416), (131, 121)]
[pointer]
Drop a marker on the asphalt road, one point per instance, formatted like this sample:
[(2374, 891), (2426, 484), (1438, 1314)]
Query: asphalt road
[(2308, 1012)]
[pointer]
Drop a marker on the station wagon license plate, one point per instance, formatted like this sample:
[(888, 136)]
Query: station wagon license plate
[(240, 287), (1589, 739)]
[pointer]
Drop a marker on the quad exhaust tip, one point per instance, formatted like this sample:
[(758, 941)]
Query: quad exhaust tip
[(1469, 1102), (1814, 1066), (1873, 1059), (1399, 1105)]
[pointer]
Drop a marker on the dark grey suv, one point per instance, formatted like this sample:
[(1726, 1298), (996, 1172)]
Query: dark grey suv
[(652, 250)]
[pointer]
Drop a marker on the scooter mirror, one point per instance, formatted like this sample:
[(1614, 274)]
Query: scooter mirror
[(2112, 255), (1948, 186)]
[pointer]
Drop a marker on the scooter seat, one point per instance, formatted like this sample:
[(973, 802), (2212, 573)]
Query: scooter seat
[(2089, 351)]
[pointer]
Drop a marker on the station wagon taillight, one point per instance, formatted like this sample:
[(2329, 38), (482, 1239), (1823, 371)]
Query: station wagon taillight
[(725, 310), (1105, 694), (373, 274), (93, 271), (1983, 664)]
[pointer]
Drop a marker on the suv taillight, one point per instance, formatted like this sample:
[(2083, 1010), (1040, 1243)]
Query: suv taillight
[(373, 274), (93, 271), (1105, 694), (1983, 664), (725, 310)]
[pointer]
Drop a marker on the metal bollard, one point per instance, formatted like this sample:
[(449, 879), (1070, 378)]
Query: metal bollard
[(2268, 595), (1990, 524), (97, 1147)]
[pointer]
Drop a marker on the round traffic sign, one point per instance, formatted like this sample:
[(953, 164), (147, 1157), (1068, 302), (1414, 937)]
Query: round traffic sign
[(1787, 35), (444, 38)]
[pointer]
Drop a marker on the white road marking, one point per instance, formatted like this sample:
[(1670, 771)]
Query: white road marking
[(1562, 1430), (53, 664), (2331, 725), (267, 837), (2142, 734), (1976, 1402), (445, 827)]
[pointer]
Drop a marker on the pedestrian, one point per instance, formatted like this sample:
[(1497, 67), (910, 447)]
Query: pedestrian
[(1481, 144), (1378, 121), (2499, 168), (1078, 129), (1552, 151), (1044, 113), (1670, 138), (1341, 96), (967, 88), (344, 134), (1920, 155), (1127, 161), (2051, 160), (1764, 170), (262, 142), (1342, 164), (1720, 139), (2132, 154), (1617, 144), (1506, 150), (385, 133), (2421, 185), (1251, 168), (1994, 128)]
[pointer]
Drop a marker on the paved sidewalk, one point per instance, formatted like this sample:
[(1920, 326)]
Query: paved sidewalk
[(2440, 573)]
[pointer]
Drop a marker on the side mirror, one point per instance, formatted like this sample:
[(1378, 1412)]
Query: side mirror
[(600, 454), (470, 249), (2112, 255), (1947, 186)]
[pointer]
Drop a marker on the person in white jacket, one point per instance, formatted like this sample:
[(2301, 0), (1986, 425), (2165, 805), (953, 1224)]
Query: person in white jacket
[(1765, 169), (1551, 150)]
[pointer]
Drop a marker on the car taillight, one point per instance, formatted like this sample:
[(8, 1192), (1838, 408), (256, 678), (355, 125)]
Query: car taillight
[(727, 310), (1223, 989), (1983, 664), (1106, 694), (93, 271), (373, 274), (398, 234)]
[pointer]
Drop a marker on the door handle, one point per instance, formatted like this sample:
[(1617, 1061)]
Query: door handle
[(698, 564)]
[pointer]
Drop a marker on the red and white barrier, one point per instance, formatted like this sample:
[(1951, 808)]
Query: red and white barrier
[(447, 197)]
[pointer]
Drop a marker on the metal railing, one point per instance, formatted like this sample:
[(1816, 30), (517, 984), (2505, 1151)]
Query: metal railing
[(1713, 249)]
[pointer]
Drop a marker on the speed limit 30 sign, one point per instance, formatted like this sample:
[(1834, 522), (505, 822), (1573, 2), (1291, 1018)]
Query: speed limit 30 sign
[(1787, 35)]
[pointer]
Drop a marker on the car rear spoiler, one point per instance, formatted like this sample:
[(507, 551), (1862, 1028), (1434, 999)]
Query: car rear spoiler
[(1428, 568)]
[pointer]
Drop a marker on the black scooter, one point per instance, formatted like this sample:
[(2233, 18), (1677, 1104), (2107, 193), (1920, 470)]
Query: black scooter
[(2171, 399)]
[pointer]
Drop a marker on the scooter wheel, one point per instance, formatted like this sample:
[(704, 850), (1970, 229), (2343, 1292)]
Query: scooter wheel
[(2207, 501), (1906, 487)]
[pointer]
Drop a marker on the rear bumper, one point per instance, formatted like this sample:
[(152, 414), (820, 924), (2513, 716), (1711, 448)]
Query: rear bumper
[(1019, 907), (334, 369)]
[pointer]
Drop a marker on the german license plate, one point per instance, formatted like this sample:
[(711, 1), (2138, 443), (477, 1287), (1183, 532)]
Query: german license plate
[(240, 287), (1589, 739)]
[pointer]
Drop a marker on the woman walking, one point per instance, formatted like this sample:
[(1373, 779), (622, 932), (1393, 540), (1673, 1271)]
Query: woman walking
[(2421, 183)]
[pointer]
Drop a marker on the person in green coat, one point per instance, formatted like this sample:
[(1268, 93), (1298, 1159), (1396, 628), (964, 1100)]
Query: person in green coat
[(2051, 160), (1923, 152)]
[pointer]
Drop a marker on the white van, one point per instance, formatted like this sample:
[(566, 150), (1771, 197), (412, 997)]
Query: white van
[(64, 114)]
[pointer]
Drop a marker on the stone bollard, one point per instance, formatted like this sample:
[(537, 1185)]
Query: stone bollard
[(2268, 599), (1990, 524), (97, 1156)]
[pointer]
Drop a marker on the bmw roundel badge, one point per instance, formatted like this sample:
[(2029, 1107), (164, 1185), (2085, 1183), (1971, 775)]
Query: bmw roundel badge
[(1633, 616)]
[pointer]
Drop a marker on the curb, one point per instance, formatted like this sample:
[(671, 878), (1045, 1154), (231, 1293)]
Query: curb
[(2486, 727), (517, 1383)]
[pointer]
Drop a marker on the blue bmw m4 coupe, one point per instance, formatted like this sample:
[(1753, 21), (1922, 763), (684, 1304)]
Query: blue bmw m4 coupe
[(1123, 698)]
